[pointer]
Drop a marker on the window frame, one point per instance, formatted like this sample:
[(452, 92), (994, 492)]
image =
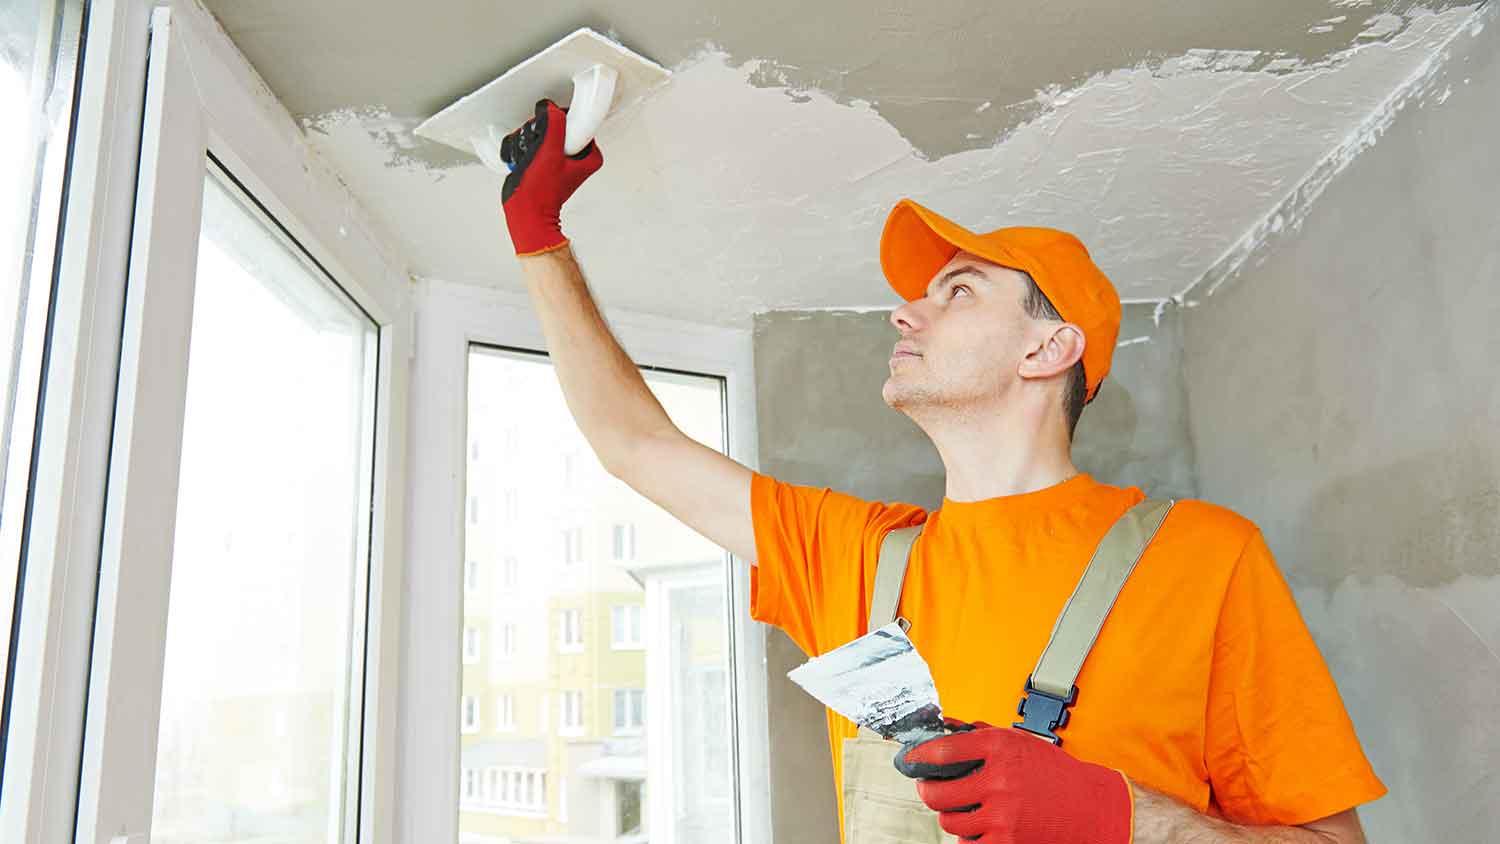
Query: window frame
[(450, 319), (108, 449)]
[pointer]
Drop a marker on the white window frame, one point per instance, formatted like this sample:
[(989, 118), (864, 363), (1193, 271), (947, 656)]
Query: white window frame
[(81, 750), (449, 318), (472, 647), (629, 726), (625, 642), (471, 718), (622, 541), (566, 724), (570, 630), (505, 712)]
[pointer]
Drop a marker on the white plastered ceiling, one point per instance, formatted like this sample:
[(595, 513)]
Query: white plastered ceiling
[(724, 194)]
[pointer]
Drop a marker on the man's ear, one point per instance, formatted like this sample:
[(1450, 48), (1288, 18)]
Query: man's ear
[(1057, 349)]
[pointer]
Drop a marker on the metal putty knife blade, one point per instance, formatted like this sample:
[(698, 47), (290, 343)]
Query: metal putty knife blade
[(878, 681)]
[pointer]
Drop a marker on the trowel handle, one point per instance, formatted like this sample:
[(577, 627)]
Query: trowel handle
[(593, 94)]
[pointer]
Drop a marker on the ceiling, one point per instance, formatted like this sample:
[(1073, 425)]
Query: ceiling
[(1170, 137)]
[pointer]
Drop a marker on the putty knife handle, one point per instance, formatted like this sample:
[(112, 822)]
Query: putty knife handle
[(593, 94)]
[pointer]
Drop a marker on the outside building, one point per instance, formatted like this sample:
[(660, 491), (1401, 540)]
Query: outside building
[(595, 698)]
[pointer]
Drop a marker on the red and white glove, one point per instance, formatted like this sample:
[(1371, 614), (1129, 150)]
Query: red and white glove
[(999, 785), (541, 179)]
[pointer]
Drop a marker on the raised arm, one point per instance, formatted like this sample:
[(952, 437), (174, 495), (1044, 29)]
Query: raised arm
[(622, 420)]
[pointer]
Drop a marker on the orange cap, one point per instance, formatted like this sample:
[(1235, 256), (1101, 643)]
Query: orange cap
[(917, 243)]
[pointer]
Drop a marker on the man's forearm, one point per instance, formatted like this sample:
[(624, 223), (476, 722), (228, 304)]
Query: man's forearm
[(603, 387), (1161, 820)]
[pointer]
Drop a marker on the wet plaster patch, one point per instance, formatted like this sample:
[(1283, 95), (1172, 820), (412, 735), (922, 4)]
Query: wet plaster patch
[(721, 198)]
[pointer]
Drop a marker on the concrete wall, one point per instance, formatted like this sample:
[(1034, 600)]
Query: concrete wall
[(1344, 395), (822, 421)]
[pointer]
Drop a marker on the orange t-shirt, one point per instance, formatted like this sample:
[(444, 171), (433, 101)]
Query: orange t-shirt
[(1204, 683)]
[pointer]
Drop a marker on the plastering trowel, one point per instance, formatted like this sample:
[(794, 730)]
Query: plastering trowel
[(878, 681), (602, 74)]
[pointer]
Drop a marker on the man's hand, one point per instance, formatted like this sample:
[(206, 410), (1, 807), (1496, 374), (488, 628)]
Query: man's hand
[(542, 178), (998, 785)]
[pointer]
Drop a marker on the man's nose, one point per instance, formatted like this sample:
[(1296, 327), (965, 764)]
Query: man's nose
[(907, 318)]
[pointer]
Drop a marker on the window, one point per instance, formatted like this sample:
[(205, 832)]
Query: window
[(505, 712), (471, 575), (586, 589), (471, 646), (471, 784), (624, 541), (37, 40), (570, 631), (625, 623), (630, 711), (265, 618), (571, 720), (474, 450), (508, 640), (470, 715), (572, 540)]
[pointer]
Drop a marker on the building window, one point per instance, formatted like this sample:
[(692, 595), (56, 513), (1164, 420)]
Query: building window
[(625, 621), (470, 715), (571, 721), (471, 575), (624, 541), (512, 572), (474, 450), (521, 791), (628, 806), (572, 545), (507, 640), (471, 784), (570, 631), (505, 713), (630, 711), (471, 645)]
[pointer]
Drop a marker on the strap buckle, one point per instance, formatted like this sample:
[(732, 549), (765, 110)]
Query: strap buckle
[(1042, 712)]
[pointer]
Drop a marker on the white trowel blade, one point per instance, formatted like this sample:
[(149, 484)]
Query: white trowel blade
[(878, 681), (505, 103)]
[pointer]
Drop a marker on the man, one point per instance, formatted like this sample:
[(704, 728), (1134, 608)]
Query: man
[(1205, 712)]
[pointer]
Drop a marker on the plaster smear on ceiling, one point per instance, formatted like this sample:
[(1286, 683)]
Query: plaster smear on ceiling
[(721, 196)]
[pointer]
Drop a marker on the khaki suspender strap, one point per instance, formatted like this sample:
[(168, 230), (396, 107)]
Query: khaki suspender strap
[(1050, 689), (890, 574)]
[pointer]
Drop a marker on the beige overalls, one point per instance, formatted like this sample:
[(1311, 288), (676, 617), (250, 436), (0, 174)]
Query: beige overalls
[(881, 805)]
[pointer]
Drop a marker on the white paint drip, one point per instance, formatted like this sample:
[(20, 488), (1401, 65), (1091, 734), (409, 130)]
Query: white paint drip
[(1132, 342), (720, 199)]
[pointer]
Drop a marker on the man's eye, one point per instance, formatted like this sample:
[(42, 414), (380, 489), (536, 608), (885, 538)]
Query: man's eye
[(954, 291)]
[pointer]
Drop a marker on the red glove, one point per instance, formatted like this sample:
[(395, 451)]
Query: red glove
[(541, 179), (998, 785)]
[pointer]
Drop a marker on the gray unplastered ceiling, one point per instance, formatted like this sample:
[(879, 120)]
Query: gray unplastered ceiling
[(1173, 138)]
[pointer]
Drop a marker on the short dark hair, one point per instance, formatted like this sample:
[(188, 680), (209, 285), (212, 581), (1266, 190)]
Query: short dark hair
[(1075, 388)]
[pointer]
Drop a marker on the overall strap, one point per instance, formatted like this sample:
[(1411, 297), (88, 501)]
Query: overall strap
[(1050, 690), (890, 574)]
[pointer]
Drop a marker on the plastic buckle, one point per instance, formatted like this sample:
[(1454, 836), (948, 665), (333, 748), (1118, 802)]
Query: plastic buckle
[(1042, 713)]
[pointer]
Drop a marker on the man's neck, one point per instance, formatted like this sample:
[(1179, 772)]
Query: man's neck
[(995, 456)]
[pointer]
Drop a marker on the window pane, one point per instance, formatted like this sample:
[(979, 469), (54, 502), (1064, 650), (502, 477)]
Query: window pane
[(265, 629), (38, 54), (590, 549)]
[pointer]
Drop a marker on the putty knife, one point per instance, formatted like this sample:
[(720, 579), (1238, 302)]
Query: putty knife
[(878, 681)]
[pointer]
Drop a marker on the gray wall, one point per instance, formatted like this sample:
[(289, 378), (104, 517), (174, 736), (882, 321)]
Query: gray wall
[(1345, 396), (822, 422)]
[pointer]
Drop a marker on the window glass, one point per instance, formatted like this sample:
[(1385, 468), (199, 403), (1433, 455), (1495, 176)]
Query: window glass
[(39, 41), (585, 558), (265, 632)]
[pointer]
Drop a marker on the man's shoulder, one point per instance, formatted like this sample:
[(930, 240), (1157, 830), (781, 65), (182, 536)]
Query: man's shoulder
[(1209, 529)]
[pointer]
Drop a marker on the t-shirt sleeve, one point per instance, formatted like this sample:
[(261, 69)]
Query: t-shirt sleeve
[(811, 548), (1280, 746)]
